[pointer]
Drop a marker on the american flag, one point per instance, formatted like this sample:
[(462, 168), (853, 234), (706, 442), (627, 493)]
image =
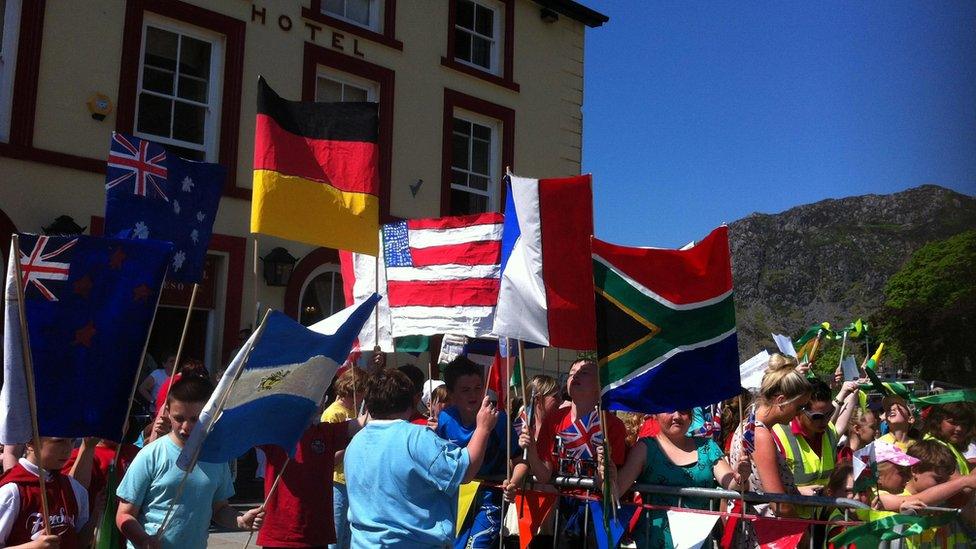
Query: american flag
[(442, 274), (582, 437)]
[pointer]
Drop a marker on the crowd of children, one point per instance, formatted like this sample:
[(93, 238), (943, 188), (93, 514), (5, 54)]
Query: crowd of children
[(384, 463)]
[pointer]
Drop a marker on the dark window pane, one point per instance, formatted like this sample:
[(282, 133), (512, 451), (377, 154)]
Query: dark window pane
[(328, 90), (485, 21), (194, 89), (338, 298), (462, 126), (463, 203), (161, 48), (352, 93), (154, 115), (195, 57), (334, 7), (462, 45), (482, 132), (459, 152), (478, 182), (459, 178), (183, 152), (480, 156), (157, 80), (189, 122), (480, 52), (358, 11), (464, 15)]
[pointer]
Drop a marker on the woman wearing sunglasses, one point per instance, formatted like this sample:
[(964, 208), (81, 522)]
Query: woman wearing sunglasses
[(810, 440)]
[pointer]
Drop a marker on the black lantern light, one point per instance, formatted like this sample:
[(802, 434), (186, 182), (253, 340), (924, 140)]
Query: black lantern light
[(63, 225), (278, 265)]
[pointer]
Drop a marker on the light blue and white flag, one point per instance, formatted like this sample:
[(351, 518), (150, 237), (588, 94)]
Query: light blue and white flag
[(274, 385)]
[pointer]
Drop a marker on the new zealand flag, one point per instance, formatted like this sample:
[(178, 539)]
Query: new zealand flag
[(89, 303), (151, 193)]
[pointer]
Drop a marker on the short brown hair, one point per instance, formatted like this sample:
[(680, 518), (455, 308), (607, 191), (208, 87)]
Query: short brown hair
[(388, 393), (959, 412), (933, 456), (460, 367), (352, 381), (190, 389)]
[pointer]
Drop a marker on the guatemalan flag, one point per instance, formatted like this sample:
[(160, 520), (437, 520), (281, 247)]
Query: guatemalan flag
[(546, 292), (274, 385), (89, 303), (665, 323), (151, 193)]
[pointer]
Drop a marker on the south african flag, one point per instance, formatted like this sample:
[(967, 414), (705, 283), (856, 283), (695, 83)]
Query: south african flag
[(666, 337)]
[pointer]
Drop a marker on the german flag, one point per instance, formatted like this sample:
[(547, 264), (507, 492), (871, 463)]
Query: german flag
[(315, 172)]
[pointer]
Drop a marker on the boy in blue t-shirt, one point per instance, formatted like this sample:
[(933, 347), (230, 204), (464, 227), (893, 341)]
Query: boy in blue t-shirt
[(465, 382), (402, 478)]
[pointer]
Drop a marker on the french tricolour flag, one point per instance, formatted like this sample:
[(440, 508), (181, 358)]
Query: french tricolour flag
[(546, 292), (442, 274)]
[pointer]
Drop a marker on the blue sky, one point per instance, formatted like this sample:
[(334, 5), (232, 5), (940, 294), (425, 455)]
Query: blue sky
[(701, 113)]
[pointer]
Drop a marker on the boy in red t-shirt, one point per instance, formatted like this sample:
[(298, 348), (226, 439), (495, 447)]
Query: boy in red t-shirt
[(21, 524), (299, 512)]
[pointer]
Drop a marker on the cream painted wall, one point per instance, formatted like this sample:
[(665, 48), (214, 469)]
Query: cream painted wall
[(81, 56)]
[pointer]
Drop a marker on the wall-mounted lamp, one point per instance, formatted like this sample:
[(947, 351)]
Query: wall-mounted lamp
[(548, 15), (63, 225), (278, 265), (99, 105)]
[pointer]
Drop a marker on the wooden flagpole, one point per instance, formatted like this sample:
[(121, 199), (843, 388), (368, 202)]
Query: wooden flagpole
[(274, 486), (29, 378), (179, 349), (843, 343), (196, 454), (257, 302)]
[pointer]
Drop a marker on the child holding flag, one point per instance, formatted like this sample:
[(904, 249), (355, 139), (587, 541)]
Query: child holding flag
[(21, 523), (151, 491)]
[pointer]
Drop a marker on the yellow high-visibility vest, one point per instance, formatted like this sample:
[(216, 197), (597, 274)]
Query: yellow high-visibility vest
[(808, 467)]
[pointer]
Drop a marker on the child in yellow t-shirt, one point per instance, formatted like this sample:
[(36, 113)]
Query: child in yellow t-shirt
[(349, 389)]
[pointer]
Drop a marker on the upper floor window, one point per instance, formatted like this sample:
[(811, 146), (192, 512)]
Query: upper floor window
[(10, 29), (474, 159), (476, 33), (365, 13), (179, 88), (335, 87)]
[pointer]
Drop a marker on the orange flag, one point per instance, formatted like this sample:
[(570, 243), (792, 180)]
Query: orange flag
[(533, 508)]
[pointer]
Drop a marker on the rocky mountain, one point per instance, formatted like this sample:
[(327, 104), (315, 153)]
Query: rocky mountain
[(829, 261)]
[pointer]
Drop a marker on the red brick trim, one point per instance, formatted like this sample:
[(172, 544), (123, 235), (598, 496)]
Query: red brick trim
[(506, 80), (455, 99), (386, 38), (230, 104), (313, 260), (386, 78)]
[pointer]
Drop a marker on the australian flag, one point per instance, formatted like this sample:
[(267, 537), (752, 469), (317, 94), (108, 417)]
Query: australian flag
[(89, 303), (151, 193)]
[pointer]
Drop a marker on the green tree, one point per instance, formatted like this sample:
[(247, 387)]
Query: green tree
[(930, 310)]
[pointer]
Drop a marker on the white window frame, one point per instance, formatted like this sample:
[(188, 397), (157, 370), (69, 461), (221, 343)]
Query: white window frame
[(8, 64), (321, 269), (372, 87), (496, 41), (376, 9), (494, 163), (218, 45)]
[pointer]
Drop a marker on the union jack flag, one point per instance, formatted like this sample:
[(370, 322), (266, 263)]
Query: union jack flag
[(749, 434), (139, 161), (582, 437), (37, 266)]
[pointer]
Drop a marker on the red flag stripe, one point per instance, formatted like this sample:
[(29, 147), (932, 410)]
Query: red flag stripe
[(469, 253), (349, 166), (456, 222), (473, 292)]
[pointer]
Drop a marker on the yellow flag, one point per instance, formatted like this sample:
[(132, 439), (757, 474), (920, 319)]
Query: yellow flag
[(465, 498)]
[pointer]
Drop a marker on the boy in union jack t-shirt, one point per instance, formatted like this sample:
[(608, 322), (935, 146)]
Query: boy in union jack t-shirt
[(567, 443)]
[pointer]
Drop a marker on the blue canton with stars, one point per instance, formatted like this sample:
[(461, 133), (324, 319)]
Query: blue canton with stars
[(178, 204), (396, 245), (89, 302)]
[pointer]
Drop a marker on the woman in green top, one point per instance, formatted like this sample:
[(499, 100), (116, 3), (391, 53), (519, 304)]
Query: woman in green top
[(674, 459)]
